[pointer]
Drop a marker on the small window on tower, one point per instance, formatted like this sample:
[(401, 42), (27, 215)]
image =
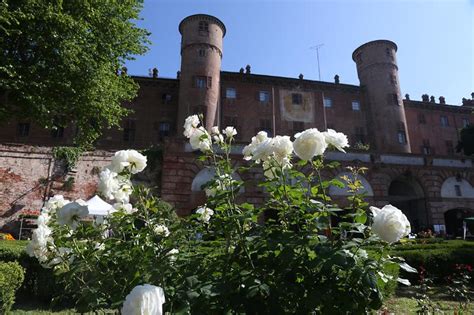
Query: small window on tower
[(202, 53), (203, 26), (297, 98), (327, 102), (202, 82), (393, 79), (355, 106)]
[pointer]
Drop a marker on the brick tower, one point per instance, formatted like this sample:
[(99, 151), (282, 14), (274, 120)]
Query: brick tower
[(201, 55), (378, 74)]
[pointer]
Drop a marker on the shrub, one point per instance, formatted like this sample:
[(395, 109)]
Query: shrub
[(11, 278), (39, 283), (438, 259)]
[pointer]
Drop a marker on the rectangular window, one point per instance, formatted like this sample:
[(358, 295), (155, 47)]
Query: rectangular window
[(203, 26), (230, 93), (57, 132), (202, 82), (444, 121), (355, 105), (465, 122), (402, 137), (297, 98), (426, 147), (359, 135), (202, 53), (457, 189), (298, 126), (421, 119), (449, 147), (164, 129), (264, 96), (166, 98), (327, 102), (129, 131), (265, 125), (393, 79), (23, 129)]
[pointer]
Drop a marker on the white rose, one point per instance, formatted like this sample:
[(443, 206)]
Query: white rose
[(54, 203), (282, 148), (215, 130), (144, 300), (137, 161), (204, 214), (190, 124), (172, 254), (218, 139), (200, 139), (229, 132), (125, 207), (249, 149), (263, 150), (38, 246), (72, 212), (108, 183), (161, 229), (390, 224), (309, 143), (123, 194), (336, 139), (130, 159)]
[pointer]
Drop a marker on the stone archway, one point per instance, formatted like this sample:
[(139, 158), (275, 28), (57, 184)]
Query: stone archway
[(407, 194), (454, 220)]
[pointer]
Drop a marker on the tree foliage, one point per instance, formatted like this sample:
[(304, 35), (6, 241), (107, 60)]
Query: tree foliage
[(59, 62), (466, 143)]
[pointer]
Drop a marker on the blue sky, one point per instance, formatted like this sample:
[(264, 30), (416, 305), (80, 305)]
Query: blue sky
[(435, 39)]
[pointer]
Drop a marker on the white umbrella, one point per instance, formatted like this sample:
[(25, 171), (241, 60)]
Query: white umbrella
[(97, 206)]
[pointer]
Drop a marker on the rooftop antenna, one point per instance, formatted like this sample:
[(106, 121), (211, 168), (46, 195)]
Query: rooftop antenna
[(317, 47)]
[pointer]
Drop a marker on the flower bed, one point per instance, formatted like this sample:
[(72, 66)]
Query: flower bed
[(222, 259)]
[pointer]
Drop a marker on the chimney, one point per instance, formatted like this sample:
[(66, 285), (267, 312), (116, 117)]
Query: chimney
[(155, 73), (407, 97), (425, 98), (336, 79), (301, 76), (247, 69), (442, 100)]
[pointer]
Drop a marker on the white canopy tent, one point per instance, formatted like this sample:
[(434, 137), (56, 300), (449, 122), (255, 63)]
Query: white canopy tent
[(97, 206)]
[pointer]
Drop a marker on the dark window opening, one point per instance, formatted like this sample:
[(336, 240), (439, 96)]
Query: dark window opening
[(164, 129), (444, 121), (265, 125), (23, 129), (129, 131), (203, 26), (421, 119), (166, 98), (402, 137), (57, 132), (297, 98), (457, 189)]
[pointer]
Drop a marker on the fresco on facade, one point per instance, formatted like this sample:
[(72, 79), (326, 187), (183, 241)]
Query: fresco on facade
[(296, 106)]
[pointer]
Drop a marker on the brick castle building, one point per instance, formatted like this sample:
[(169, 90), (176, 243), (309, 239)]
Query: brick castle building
[(408, 145)]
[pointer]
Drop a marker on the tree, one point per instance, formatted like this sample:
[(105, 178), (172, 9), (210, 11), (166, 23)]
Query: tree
[(466, 143), (59, 62)]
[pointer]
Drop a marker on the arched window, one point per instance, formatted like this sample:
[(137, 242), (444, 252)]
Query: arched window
[(456, 188)]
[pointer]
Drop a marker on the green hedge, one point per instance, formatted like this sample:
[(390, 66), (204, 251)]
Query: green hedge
[(39, 283), (11, 278), (438, 258)]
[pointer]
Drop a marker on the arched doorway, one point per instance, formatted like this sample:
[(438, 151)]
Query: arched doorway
[(454, 221), (406, 194)]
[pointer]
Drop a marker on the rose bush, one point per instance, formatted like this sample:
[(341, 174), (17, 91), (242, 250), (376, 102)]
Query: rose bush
[(298, 252)]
